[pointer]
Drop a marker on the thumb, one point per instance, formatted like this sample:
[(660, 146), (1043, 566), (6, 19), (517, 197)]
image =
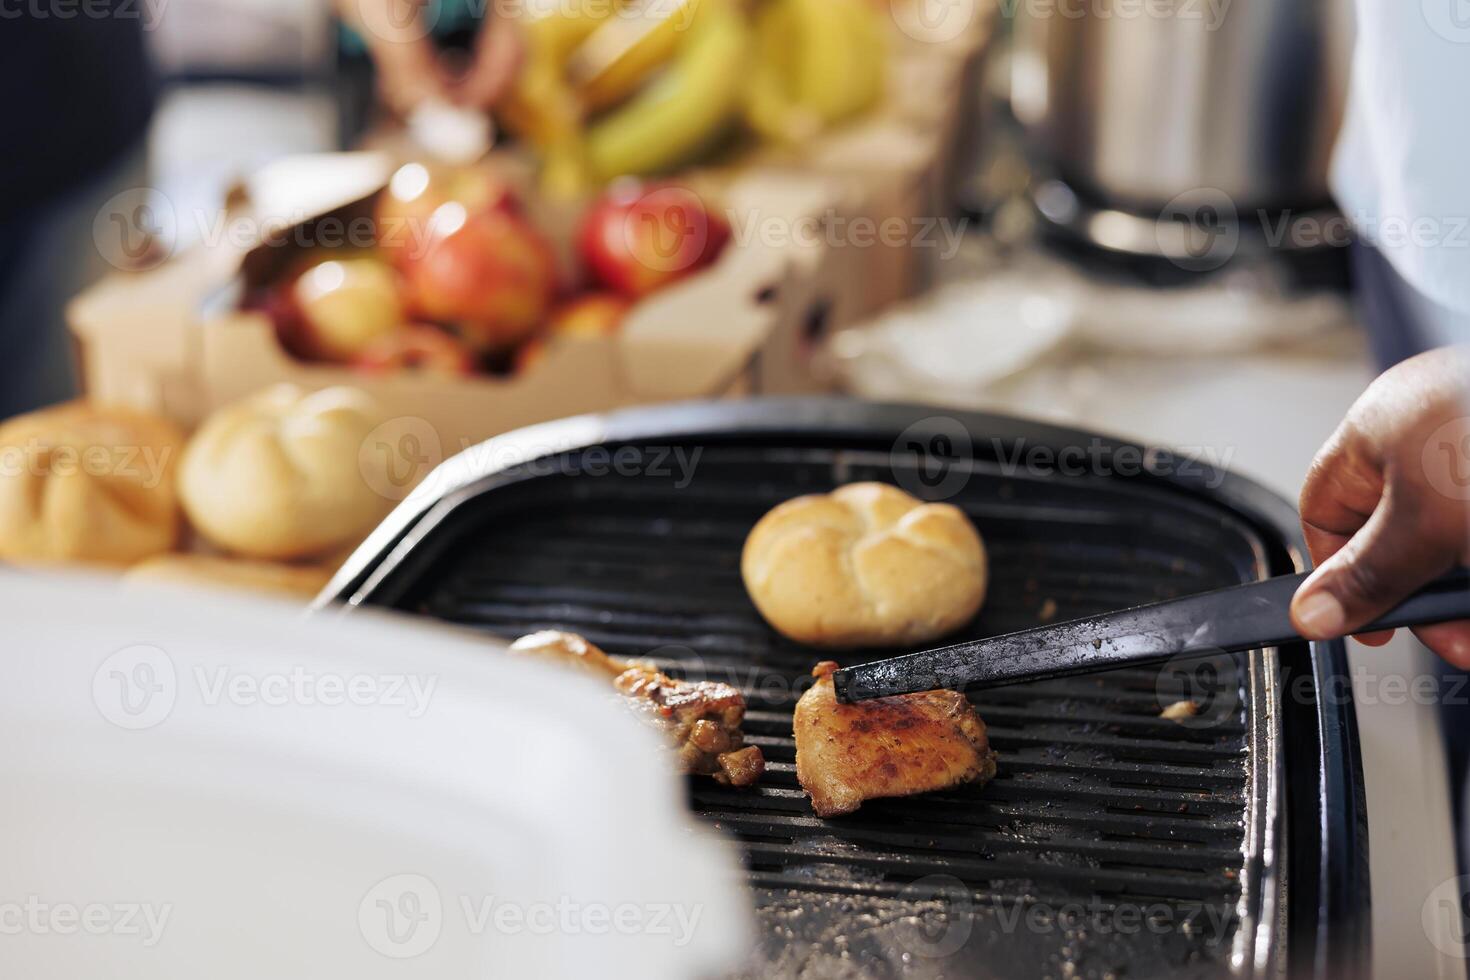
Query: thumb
[(1380, 566)]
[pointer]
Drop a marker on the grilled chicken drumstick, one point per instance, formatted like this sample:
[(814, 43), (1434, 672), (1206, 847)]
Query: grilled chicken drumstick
[(701, 718), (898, 746)]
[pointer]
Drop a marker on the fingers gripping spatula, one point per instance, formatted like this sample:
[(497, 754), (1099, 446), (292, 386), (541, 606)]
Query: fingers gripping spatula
[(1232, 620)]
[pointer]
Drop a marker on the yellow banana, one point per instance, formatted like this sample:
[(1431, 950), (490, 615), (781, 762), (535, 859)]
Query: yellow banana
[(542, 108), (554, 28), (769, 106), (819, 62), (685, 108), (847, 76), (625, 51)]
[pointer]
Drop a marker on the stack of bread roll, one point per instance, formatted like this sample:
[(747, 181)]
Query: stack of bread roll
[(276, 488)]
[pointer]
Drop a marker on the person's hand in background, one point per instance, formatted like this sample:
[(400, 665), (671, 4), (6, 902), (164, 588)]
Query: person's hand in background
[(398, 36), (1386, 505), (412, 71), (499, 53)]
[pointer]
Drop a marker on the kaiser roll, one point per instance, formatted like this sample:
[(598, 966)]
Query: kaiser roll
[(277, 475), (865, 565), (80, 482)]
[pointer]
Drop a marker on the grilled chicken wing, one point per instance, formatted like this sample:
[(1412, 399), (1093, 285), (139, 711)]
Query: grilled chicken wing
[(701, 718), (898, 746), (571, 649)]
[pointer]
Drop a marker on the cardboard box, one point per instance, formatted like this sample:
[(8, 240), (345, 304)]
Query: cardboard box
[(174, 339), (898, 164)]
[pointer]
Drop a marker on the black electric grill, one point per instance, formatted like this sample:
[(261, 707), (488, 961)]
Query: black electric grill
[(1112, 842)]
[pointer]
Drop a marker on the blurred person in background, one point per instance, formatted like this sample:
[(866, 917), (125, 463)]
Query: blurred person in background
[(80, 94), (412, 52), (1399, 173), (1386, 506)]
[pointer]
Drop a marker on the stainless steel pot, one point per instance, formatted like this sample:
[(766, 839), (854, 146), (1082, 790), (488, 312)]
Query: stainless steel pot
[(1133, 103)]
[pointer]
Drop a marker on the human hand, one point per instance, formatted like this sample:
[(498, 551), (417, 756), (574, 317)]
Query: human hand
[(409, 69), (1386, 505), (499, 53)]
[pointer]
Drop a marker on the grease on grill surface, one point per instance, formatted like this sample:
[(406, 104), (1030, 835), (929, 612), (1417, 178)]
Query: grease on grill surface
[(1096, 796)]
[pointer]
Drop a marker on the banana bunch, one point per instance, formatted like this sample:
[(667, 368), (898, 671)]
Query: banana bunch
[(625, 87), (614, 87), (621, 56), (686, 107), (818, 63)]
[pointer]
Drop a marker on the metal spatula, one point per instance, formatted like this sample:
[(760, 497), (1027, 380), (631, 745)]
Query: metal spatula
[(1243, 617)]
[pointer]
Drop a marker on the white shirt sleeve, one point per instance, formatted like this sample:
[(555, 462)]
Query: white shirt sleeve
[(1401, 170)]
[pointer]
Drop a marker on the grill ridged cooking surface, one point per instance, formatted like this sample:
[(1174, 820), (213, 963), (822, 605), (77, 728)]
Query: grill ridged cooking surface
[(1096, 796)]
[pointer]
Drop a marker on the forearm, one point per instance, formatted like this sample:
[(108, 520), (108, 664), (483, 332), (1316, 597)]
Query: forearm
[(385, 25)]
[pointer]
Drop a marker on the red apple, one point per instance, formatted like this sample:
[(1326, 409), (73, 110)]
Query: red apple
[(344, 306), (419, 347), (416, 191), (491, 274), (636, 239)]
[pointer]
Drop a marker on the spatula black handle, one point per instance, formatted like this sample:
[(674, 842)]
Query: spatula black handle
[(1243, 617), (1441, 601)]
